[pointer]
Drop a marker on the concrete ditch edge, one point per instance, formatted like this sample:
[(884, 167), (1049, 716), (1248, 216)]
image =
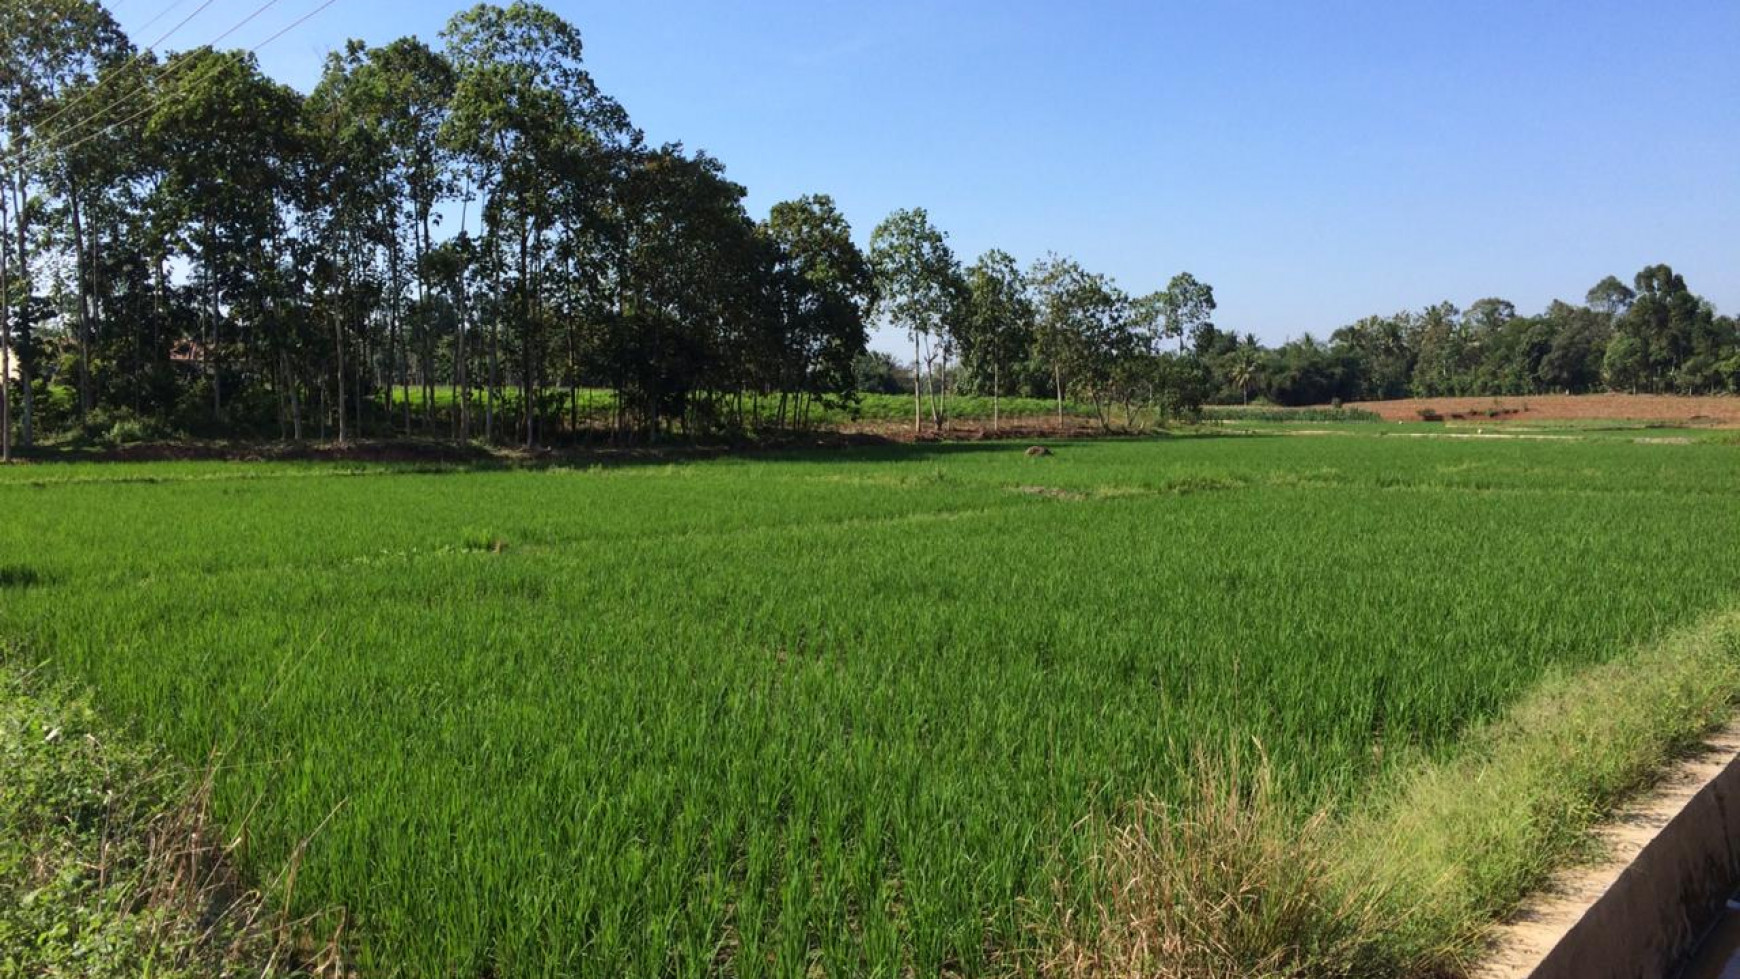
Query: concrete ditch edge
[(1672, 858)]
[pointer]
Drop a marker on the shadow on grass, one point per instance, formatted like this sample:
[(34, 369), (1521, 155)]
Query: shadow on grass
[(443, 456), (19, 576)]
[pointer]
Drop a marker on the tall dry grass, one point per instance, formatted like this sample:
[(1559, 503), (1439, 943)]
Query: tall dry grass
[(1232, 883)]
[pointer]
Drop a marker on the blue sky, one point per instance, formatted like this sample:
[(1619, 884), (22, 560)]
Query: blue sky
[(1314, 161)]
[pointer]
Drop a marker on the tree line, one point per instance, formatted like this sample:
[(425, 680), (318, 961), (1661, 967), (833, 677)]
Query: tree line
[(190, 244), (470, 239), (1655, 336), (1057, 328)]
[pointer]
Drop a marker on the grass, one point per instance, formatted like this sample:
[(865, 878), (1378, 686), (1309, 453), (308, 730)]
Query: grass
[(877, 712), (1276, 413), (1229, 883), (596, 404), (109, 864)]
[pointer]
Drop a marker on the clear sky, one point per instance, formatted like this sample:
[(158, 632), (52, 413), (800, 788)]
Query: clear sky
[(1316, 161)]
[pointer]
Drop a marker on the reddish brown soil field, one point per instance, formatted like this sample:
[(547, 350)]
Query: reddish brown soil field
[(1715, 412)]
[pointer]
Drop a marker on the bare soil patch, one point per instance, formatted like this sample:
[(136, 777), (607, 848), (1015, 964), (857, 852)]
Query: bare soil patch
[(1712, 412)]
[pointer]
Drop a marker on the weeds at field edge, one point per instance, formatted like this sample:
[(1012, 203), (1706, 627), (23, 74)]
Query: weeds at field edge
[(111, 864), (1231, 885)]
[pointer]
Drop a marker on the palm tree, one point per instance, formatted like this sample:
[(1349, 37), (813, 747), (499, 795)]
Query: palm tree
[(1244, 372)]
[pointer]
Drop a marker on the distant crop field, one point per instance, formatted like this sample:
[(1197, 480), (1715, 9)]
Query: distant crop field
[(847, 714), (898, 408)]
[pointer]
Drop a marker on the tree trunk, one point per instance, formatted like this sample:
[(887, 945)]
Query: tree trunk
[(295, 402), (917, 399), (217, 398), (996, 394), (1057, 379), (160, 263), (573, 379), (83, 285), (396, 366), (26, 429), (461, 374), (494, 353), (940, 411), (338, 362), (280, 398), (5, 340), (528, 343), (427, 375)]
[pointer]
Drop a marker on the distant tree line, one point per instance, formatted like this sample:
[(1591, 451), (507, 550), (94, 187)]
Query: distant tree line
[(1056, 328), (471, 240), (1655, 336)]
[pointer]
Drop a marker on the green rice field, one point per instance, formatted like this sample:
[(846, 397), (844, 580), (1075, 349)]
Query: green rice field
[(846, 713)]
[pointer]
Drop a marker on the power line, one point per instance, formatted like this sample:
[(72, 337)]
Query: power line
[(48, 145), (87, 93), (298, 22), (166, 96), (161, 14)]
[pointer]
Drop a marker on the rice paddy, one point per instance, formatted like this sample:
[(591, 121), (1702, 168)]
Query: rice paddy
[(852, 713)]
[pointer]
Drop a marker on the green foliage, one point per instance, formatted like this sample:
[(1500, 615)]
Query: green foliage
[(824, 289), (875, 372), (1661, 338), (101, 874), (997, 330), (623, 743), (1101, 346), (1184, 308), (236, 259), (917, 276)]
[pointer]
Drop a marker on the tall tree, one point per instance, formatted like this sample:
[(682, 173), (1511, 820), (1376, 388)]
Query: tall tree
[(998, 325), (1081, 324), (918, 288), (1442, 361), (684, 270), (228, 136), (1246, 369), (1579, 341), (1668, 339), (401, 93), (830, 289), (1185, 307), (524, 108), (1610, 296), (51, 53)]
